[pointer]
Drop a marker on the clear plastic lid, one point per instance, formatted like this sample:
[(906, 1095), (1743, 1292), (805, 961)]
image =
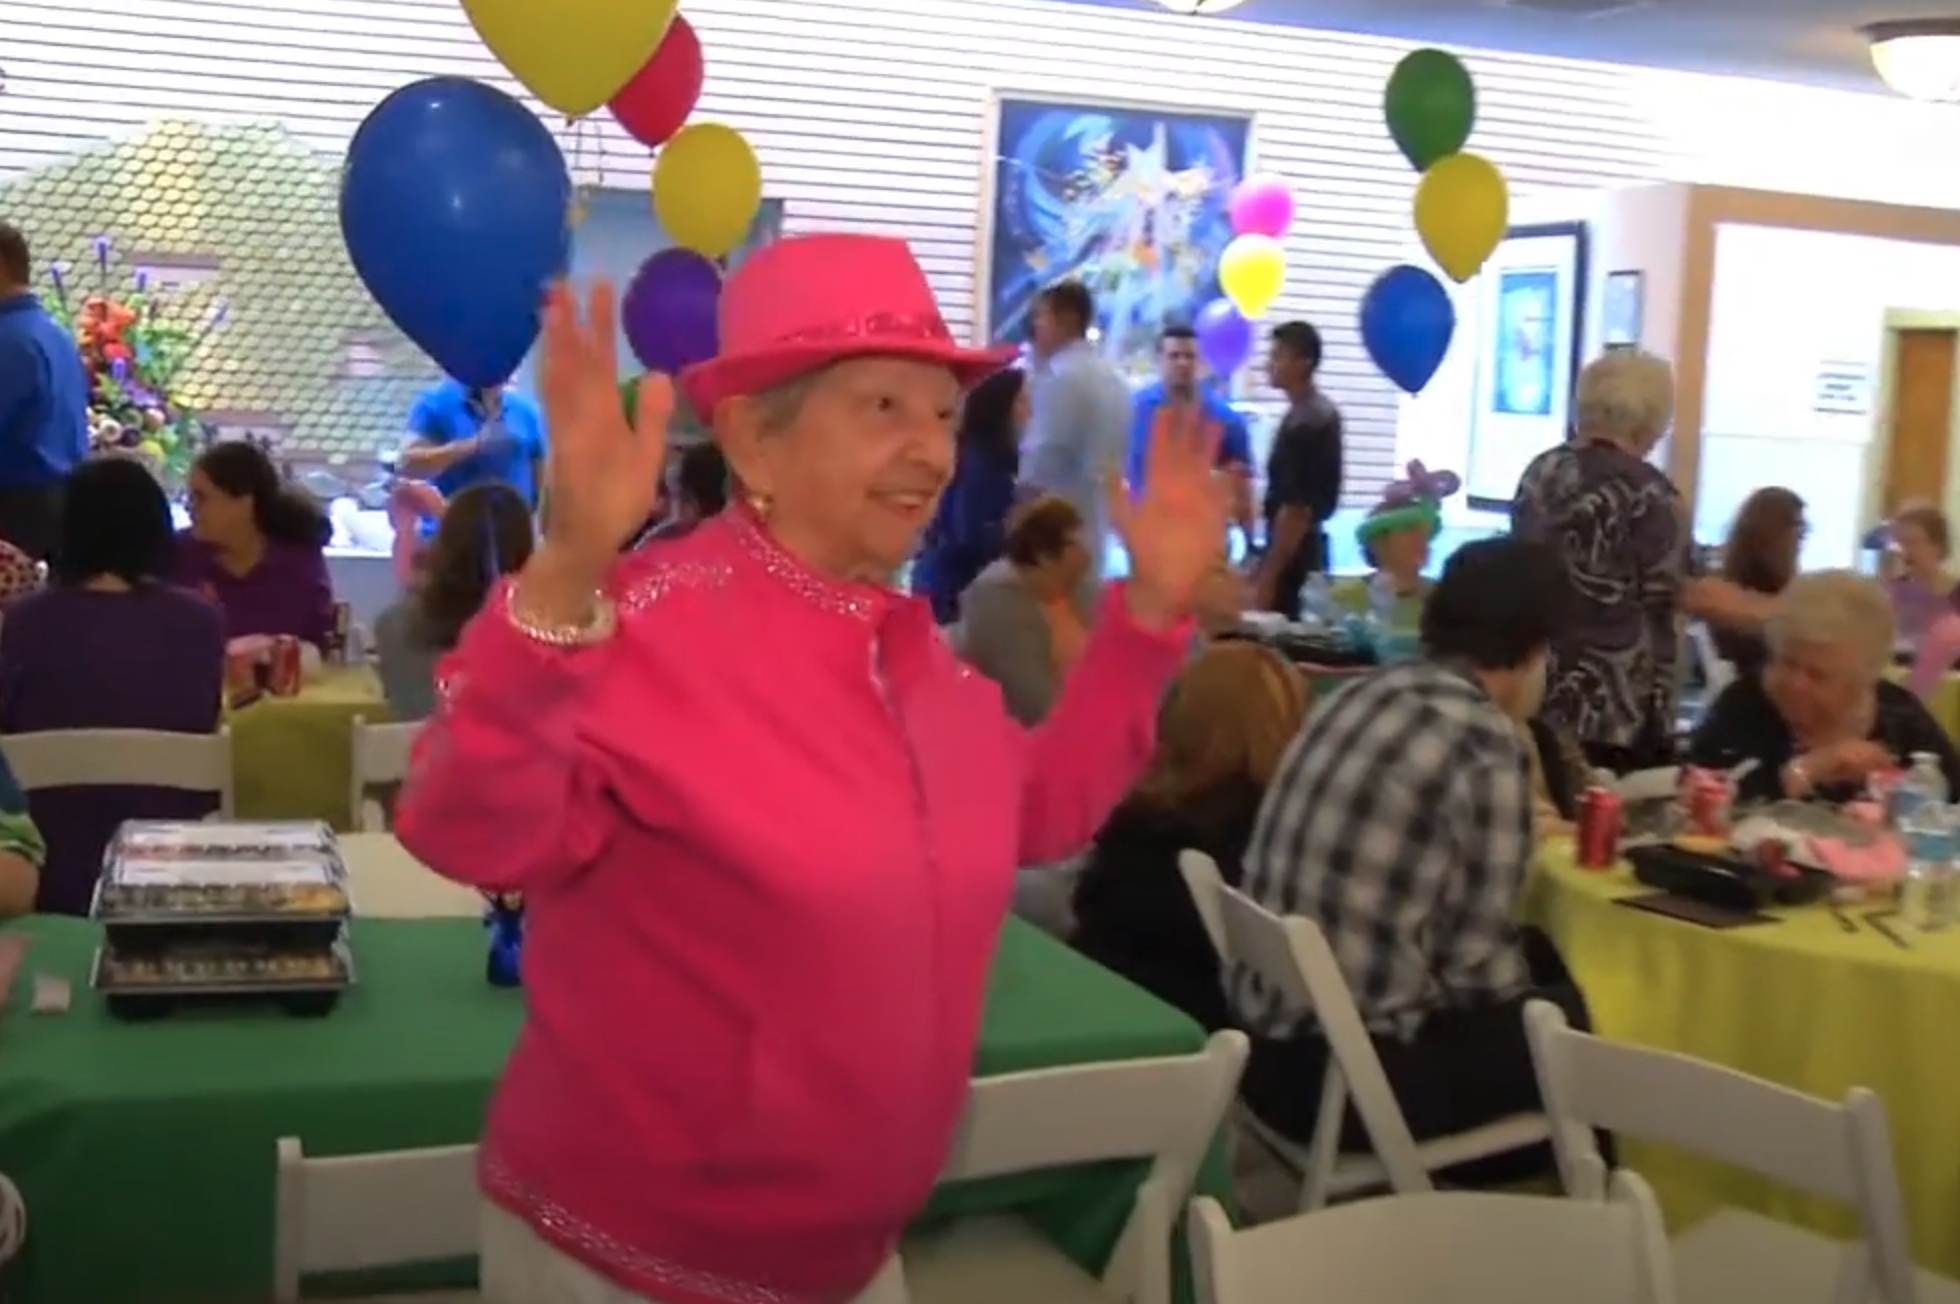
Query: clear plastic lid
[(173, 871), (269, 840)]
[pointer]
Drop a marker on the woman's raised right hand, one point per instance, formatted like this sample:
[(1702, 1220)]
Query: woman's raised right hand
[(602, 474)]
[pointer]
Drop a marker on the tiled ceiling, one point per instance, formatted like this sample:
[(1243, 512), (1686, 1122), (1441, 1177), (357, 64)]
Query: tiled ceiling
[(1814, 41)]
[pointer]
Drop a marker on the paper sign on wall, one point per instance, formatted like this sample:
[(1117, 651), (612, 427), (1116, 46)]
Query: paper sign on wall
[(1844, 388)]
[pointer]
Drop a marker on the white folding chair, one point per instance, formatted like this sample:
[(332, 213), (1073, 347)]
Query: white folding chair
[(1164, 1110), (133, 758), (373, 1211), (1292, 956), (380, 757), (1450, 1247), (1838, 1152)]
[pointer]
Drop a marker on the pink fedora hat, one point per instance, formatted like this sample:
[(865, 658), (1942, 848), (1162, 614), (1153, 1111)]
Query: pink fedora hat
[(807, 301)]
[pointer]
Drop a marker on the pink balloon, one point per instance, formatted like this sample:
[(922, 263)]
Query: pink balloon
[(1262, 205)]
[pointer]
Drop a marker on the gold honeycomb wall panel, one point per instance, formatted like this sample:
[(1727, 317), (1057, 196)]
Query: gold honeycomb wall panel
[(263, 206)]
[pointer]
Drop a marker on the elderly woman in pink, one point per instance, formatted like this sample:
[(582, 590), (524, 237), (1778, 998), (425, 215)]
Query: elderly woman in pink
[(755, 963)]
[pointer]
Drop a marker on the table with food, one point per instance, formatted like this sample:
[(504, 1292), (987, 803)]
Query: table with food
[(292, 752), (233, 990), (1812, 945)]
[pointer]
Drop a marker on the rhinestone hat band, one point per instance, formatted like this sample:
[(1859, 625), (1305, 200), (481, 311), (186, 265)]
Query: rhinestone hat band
[(925, 327)]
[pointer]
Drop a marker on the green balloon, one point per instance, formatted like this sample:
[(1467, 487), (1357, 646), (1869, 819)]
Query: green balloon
[(1430, 106)]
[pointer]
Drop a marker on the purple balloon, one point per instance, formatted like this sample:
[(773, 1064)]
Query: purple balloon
[(669, 310), (1224, 336), (1262, 205)]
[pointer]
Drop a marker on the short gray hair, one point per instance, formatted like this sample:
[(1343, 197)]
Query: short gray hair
[(1836, 606), (1625, 397), (781, 403)]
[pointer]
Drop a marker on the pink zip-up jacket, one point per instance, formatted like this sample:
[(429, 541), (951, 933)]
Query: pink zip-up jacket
[(767, 835)]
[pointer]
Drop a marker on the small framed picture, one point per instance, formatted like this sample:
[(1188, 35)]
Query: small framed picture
[(1620, 310)]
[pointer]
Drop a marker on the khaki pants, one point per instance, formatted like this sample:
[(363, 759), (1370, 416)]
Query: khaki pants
[(519, 1267)]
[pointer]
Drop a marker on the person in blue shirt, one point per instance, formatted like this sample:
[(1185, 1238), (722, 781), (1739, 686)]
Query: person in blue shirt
[(458, 437), (44, 392), (969, 530), (1179, 382)]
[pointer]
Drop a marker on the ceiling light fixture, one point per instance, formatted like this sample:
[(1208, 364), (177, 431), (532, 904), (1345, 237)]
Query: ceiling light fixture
[(1204, 7), (1918, 57)]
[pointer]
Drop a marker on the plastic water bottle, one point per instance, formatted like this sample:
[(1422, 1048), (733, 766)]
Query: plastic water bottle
[(1382, 601), (1926, 822), (1923, 782), (1317, 599)]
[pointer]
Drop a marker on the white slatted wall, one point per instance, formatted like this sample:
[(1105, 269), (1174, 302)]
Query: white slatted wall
[(870, 115)]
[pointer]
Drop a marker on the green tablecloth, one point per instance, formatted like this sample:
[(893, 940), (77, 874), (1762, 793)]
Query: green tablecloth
[(145, 1151)]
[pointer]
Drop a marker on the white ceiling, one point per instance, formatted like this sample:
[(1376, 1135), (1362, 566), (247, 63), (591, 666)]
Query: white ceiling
[(1814, 41)]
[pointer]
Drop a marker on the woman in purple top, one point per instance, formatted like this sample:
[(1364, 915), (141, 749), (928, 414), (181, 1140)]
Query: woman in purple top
[(1921, 591), (109, 645), (255, 546)]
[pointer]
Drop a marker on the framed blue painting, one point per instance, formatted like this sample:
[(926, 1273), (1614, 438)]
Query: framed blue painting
[(1130, 199)]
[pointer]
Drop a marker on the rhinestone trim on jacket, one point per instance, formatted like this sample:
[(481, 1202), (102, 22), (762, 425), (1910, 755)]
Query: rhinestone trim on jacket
[(608, 1254)]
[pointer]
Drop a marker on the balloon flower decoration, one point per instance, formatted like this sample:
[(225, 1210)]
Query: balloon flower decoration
[(135, 350), (457, 204), (1413, 502), (1462, 209), (1251, 272)]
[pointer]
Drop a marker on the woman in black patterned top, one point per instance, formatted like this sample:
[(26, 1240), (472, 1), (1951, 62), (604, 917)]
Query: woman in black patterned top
[(1822, 718), (1622, 528)]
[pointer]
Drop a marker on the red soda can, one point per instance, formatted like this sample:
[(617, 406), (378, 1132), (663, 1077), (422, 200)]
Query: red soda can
[(285, 666), (1708, 799), (1599, 828), (241, 675)]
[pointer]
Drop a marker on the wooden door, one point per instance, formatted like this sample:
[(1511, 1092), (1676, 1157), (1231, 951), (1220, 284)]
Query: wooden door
[(1922, 417)]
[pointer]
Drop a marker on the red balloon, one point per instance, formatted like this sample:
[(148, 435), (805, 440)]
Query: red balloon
[(655, 104)]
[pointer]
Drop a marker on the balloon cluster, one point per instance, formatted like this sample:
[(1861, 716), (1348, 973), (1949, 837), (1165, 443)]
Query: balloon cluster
[(1251, 271), (1462, 209), (456, 203)]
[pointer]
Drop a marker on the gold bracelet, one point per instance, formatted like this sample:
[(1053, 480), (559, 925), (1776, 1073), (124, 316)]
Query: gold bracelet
[(596, 628)]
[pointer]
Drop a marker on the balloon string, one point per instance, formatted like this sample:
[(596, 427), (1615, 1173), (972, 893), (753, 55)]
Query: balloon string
[(575, 129)]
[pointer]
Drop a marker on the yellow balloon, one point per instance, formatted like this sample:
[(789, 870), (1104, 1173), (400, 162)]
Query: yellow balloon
[(707, 188), (572, 54), (1462, 211), (1251, 271)]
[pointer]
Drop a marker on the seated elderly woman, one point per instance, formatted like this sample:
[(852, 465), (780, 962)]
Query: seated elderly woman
[(1022, 623), (1822, 718)]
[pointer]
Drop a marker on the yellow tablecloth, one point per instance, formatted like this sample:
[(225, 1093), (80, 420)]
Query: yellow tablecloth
[(1945, 702), (1800, 1002), (292, 757), (1945, 706)]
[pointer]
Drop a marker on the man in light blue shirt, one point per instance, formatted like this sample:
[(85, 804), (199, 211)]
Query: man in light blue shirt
[(1077, 439)]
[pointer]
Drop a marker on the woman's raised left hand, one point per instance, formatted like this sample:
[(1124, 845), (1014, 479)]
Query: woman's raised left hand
[(1175, 532)]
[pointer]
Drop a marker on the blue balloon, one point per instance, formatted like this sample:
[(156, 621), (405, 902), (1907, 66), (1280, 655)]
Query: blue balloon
[(456, 207), (1407, 320)]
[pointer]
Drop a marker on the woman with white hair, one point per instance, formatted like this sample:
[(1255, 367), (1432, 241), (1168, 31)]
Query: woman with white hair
[(1822, 717), (1623, 530)]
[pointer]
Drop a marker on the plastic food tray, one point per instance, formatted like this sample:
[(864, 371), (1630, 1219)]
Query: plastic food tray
[(139, 999), (186, 874)]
